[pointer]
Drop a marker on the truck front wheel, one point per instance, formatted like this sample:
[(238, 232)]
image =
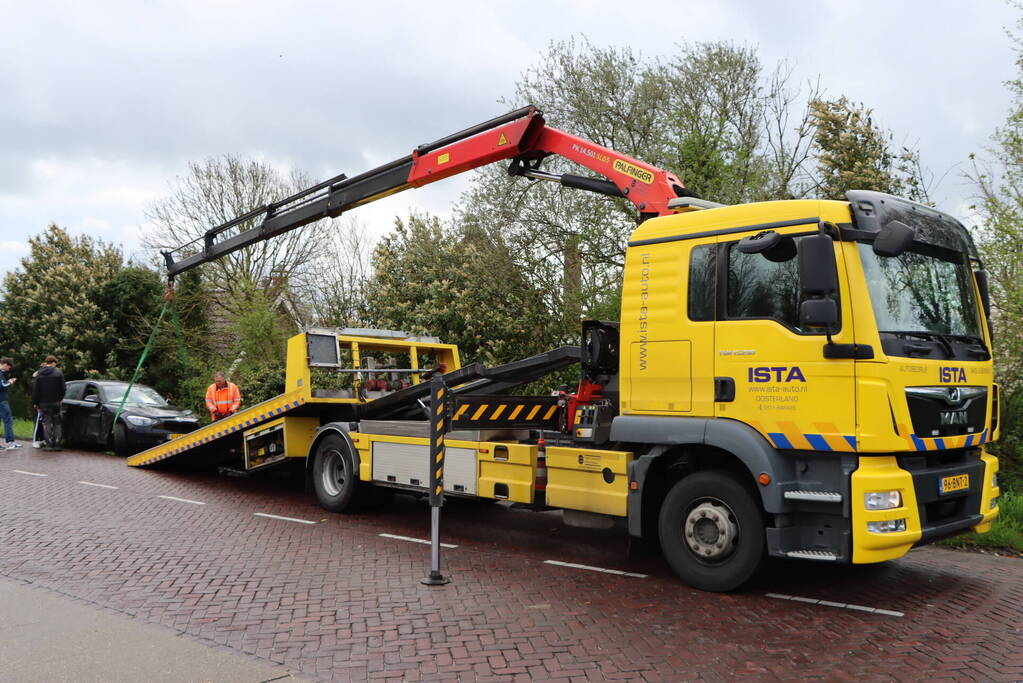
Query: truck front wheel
[(334, 477), (712, 531)]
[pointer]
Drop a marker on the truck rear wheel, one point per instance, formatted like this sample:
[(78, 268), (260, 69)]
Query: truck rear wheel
[(712, 531), (335, 479)]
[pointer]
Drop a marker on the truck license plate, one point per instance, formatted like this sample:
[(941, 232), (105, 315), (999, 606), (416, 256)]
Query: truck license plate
[(957, 482)]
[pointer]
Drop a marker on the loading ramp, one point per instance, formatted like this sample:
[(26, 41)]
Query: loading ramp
[(216, 441)]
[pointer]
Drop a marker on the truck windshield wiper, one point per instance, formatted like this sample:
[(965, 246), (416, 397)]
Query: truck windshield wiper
[(941, 339)]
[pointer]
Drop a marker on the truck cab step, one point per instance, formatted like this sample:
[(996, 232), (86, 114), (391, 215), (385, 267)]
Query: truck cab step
[(815, 496), (824, 555)]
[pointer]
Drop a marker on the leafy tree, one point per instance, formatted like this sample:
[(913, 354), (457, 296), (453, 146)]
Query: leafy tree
[(219, 190), (710, 113), (53, 303), (336, 290), (854, 153), (999, 184), (133, 299), (458, 284), (255, 360)]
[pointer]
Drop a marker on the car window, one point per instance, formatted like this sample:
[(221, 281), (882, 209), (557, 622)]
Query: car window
[(139, 394), (91, 390), (75, 390)]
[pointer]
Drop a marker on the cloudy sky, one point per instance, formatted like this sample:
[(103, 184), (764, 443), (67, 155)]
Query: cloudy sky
[(102, 104)]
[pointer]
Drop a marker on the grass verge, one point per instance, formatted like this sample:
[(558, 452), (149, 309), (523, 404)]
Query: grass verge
[(1006, 532), (23, 428)]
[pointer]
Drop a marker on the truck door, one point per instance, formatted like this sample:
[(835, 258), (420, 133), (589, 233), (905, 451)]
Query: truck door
[(784, 387)]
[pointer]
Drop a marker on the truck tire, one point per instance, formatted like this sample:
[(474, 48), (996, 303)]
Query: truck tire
[(712, 531), (335, 480)]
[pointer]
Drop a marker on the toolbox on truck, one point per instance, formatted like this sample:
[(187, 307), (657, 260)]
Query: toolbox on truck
[(507, 471), (588, 480), (286, 437)]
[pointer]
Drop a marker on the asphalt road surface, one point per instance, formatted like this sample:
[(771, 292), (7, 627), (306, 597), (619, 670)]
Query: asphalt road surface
[(255, 566)]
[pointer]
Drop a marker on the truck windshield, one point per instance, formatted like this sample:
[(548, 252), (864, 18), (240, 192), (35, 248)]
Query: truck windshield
[(925, 293)]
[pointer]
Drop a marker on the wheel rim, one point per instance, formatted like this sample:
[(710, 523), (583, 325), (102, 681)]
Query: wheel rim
[(711, 531), (334, 474)]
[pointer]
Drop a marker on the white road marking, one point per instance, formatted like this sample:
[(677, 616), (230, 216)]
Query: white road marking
[(840, 605), (31, 474), (283, 519), (182, 500), (619, 572), (102, 486), (415, 540)]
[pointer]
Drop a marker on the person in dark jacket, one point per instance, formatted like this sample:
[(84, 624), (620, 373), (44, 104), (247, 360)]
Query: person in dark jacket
[(47, 393), (5, 408), (37, 430)]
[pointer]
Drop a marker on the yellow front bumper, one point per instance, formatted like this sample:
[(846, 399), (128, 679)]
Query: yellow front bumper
[(883, 473)]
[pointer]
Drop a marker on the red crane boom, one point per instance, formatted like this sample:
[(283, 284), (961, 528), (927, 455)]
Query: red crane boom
[(521, 136)]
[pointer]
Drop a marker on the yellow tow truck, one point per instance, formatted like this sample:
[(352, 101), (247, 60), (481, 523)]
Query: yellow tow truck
[(805, 379)]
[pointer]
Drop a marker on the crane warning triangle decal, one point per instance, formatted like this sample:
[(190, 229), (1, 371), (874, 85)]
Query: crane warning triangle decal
[(502, 140)]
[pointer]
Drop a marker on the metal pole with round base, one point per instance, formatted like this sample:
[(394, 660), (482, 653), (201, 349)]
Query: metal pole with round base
[(438, 427)]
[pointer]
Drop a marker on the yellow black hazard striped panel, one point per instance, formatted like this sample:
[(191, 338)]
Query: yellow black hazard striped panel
[(506, 412), (257, 414)]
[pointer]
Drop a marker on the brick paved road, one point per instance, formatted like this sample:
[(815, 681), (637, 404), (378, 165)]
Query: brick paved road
[(335, 600)]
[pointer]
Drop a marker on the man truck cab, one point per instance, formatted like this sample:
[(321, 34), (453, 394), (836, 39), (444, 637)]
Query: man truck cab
[(834, 355)]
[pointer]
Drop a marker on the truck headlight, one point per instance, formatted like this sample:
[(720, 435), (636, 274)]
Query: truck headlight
[(887, 526), (994, 480), (882, 500), (140, 421)]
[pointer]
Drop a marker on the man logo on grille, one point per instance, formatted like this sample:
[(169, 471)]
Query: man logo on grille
[(953, 417)]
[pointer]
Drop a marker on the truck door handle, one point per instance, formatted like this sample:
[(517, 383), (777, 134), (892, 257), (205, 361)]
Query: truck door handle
[(724, 389)]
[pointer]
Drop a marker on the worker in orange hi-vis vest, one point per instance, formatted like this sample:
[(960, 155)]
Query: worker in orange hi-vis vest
[(222, 398)]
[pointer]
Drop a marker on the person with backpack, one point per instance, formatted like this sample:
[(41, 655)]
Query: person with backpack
[(47, 393)]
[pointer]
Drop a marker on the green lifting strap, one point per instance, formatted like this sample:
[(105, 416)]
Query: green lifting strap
[(142, 359), (182, 354)]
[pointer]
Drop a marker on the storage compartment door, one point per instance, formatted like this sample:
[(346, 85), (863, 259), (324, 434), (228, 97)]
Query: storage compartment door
[(588, 480)]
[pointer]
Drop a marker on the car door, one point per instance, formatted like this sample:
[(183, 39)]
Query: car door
[(92, 415), (72, 408)]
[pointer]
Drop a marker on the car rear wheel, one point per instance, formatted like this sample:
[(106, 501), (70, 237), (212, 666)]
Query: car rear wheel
[(119, 440)]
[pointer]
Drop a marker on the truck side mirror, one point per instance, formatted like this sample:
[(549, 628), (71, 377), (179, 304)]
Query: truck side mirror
[(984, 287), (818, 280), (820, 313), (985, 291), (893, 239), (818, 274), (760, 242)]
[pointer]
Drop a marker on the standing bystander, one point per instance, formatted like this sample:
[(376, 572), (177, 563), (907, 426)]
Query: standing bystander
[(47, 393), (37, 431), (222, 398), (6, 364)]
